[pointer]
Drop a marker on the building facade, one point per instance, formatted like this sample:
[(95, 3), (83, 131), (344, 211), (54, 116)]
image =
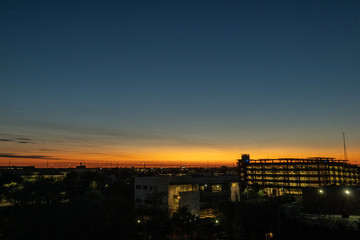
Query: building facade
[(291, 175), (198, 193)]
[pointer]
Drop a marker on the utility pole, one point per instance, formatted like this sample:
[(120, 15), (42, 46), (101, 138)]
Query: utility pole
[(345, 153)]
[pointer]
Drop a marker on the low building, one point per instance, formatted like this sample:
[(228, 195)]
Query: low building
[(198, 193), (291, 175), (32, 173)]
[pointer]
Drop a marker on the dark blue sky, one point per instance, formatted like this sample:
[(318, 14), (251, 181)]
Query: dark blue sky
[(272, 78)]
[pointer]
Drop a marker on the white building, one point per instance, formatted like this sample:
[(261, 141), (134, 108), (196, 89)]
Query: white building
[(198, 193)]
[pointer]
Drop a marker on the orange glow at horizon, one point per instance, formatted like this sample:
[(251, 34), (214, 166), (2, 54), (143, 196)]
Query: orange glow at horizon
[(171, 156)]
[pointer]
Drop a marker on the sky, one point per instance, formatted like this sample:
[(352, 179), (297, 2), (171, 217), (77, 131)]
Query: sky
[(177, 82)]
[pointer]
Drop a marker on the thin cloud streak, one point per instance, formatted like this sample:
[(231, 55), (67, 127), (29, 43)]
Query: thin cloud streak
[(7, 155), (16, 139), (24, 139)]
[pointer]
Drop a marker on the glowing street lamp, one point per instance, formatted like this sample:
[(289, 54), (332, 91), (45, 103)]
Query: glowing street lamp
[(347, 192), (321, 191)]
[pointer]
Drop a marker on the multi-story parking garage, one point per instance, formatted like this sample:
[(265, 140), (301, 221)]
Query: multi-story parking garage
[(291, 175)]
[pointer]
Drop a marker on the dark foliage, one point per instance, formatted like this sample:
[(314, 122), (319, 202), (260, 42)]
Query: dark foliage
[(100, 205)]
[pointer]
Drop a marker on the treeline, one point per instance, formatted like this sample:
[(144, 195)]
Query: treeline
[(100, 205)]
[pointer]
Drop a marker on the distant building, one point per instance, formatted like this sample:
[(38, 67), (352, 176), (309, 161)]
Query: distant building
[(198, 193), (30, 172), (17, 168), (81, 166), (291, 175)]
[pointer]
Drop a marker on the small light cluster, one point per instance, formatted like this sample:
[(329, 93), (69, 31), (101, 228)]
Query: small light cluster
[(347, 192)]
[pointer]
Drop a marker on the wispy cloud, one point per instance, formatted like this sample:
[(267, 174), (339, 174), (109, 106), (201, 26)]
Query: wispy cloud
[(20, 140), (24, 139), (5, 140), (8, 155)]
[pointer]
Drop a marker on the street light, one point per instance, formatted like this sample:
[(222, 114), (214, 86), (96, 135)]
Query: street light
[(347, 192), (321, 191)]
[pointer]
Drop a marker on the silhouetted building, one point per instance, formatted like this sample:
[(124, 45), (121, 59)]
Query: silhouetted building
[(81, 166), (291, 175)]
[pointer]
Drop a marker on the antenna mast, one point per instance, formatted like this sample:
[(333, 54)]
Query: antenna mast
[(345, 153)]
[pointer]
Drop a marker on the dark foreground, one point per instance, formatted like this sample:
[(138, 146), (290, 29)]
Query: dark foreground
[(101, 206)]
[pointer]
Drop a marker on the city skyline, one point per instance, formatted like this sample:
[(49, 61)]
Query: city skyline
[(167, 82)]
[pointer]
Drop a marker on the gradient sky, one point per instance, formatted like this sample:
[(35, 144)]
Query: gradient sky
[(178, 81)]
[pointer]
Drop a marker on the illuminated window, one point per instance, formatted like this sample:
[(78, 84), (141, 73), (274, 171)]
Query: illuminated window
[(216, 188)]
